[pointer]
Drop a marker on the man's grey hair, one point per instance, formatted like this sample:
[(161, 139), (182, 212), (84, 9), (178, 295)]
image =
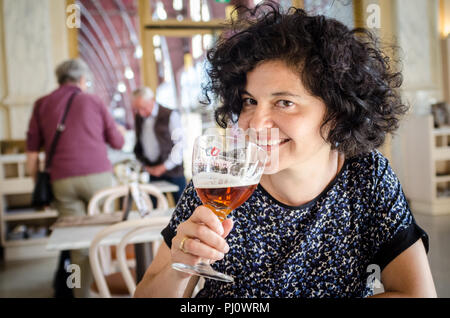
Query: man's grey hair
[(71, 71), (145, 92)]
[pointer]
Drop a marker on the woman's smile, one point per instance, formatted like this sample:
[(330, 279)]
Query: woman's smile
[(269, 145)]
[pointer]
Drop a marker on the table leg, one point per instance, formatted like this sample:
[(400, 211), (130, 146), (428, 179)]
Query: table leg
[(144, 256)]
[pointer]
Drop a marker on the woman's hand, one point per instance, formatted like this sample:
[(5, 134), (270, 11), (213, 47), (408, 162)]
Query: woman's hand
[(204, 237)]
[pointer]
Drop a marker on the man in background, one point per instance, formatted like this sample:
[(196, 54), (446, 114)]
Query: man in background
[(159, 139)]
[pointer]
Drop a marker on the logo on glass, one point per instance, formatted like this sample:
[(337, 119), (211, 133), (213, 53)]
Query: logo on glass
[(212, 151)]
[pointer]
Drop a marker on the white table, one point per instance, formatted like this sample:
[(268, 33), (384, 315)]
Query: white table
[(164, 186), (80, 237)]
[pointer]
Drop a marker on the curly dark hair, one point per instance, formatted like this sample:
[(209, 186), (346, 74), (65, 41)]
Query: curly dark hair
[(345, 68)]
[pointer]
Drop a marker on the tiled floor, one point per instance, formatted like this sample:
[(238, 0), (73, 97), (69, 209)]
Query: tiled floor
[(34, 279), (27, 278), (438, 229)]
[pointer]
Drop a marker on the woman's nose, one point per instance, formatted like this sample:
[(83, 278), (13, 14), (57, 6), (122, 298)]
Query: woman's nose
[(261, 119)]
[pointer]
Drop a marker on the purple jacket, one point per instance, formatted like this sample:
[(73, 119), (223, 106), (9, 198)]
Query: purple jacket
[(82, 147)]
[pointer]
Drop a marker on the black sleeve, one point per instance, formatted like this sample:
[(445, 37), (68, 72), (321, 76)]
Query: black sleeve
[(188, 202), (399, 243), (393, 227)]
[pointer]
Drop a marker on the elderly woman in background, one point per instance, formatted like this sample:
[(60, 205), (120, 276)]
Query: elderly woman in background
[(80, 166)]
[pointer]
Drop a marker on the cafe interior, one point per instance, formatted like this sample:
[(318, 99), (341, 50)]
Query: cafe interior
[(161, 44)]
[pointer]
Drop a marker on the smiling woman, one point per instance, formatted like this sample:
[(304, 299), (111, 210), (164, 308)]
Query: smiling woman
[(332, 208)]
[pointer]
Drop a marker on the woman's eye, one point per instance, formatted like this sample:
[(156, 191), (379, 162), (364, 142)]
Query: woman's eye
[(284, 103), (248, 101)]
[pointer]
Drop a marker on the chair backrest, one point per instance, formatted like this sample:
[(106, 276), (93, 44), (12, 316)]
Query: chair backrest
[(110, 195), (149, 223), (122, 260), (194, 284), (161, 202), (95, 202), (95, 206)]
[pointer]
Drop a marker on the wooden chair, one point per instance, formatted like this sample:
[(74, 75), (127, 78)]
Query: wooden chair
[(195, 283), (96, 206), (107, 260), (130, 280), (103, 202), (133, 228)]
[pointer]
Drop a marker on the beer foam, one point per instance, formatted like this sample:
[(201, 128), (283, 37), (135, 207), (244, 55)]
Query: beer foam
[(208, 180)]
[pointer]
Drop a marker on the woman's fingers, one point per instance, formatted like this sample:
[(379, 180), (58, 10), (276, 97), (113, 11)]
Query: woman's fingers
[(227, 227), (202, 236), (201, 250), (204, 215), (203, 233)]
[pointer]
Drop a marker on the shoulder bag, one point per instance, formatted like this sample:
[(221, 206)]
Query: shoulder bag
[(43, 194)]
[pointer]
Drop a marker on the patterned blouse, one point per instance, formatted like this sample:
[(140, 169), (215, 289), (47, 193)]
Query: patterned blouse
[(328, 247)]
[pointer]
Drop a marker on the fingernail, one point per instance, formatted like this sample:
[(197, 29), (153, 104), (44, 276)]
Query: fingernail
[(226, 248), (221, 255)]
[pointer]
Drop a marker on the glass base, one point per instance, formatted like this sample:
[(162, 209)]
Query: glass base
[(204, 270)]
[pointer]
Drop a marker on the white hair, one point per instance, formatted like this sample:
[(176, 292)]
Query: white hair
[(71, 71), (145, 92)]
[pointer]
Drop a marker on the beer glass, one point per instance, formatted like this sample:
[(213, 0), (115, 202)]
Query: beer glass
[(225, 172)]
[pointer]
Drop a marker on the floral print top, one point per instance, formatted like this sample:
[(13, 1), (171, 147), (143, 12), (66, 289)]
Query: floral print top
[(327, 247)]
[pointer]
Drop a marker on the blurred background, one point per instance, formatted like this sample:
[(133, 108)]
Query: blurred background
[(162, 44)]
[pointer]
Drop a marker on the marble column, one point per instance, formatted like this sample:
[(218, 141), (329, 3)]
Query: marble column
[(33, 42)]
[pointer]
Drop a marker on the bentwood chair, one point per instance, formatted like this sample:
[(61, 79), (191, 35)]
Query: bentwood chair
[(193, 287), (131, 230), (104, 202), (108, 197)]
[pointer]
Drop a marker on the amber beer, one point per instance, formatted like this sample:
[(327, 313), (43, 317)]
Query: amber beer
[(225, 197)]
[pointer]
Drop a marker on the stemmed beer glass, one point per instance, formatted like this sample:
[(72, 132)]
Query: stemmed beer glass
[(225, 172)]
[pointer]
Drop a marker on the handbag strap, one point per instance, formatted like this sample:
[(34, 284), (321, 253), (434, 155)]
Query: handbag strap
[(59, 129)]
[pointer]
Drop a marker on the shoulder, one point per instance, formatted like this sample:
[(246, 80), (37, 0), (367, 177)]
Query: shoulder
[(371, 166), (90, 101), (380, 189), (369, 180), (40, 100), (373, 161), (90, 97)]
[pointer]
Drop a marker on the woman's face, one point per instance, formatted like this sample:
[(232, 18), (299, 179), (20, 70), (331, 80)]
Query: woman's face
[(275, 97)]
